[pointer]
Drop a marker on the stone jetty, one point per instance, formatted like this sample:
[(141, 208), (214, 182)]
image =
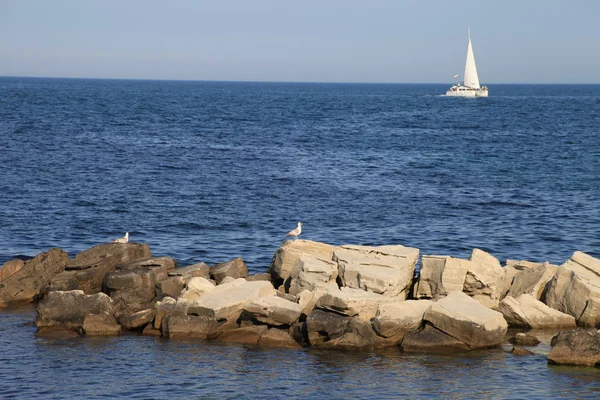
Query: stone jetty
[(316, 295)]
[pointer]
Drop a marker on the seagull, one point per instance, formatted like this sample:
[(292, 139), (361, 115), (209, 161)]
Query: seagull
[(296, 232), (124, 239)]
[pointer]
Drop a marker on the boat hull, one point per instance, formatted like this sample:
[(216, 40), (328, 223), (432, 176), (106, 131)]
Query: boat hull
[(467, 93)]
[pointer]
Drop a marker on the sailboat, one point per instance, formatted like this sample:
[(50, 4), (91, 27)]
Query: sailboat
[(470, 86)]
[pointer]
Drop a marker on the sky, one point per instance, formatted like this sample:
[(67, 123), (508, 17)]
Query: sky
[(388, 41)]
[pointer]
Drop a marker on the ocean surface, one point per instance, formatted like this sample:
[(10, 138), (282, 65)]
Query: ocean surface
[(210, 171)]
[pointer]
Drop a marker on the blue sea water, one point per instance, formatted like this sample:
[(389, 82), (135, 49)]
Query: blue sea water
[(209, 171)]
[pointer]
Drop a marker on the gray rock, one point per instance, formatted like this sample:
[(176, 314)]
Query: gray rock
[(235, 269), (523, 339), (171, 287), (440, 275), (178, 325), (88, 269), (68, 309), (385, 270), (465, 319), (100, 325), (532, 281), (512, 268), (24, 281), (526, 311), (576, 347)]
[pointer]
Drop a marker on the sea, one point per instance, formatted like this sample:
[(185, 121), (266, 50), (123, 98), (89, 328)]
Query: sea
[(211, 171)]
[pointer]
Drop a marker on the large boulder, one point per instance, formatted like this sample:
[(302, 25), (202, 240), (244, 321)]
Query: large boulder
[(273, 310), (467, 320), (171, 287), (23, 281), (100, 325), (197, 287), (527, 311), (288, 255), (386, 270), (575, 289), (484, 278), (199, 270), (243, 335), (179, 325), (235, 268), (532, 281), (576, 347), (277, 338), (137, 319), (226, 302), (396, 318), (512, 268), (67, 309), (326, 329), (355, 302), (88, 269), (440, 275), (430, 339), (132, 286), (311, 273)]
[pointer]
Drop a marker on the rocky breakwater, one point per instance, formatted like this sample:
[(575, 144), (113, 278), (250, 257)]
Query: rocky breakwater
[(313, 295)]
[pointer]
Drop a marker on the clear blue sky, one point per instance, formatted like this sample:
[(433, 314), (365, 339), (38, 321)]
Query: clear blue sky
[(515, 41)]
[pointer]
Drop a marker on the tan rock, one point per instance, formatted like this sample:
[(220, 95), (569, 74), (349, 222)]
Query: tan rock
[(100, 325), (244, 335), (288, 255), (277, 338), (386, 270), (526, 311), (532, 281), (512, 268), (484, 278), (311, 272), (137, 319), (467, 320), (196, 288), (273, 310), (403, 317), (440, 275), (235, 268), (355, 302), (178, 325)]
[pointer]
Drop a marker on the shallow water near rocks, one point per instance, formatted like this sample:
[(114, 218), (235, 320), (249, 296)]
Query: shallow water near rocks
[(209, 171)]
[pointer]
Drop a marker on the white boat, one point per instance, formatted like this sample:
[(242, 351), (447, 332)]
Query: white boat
[(470, 86)]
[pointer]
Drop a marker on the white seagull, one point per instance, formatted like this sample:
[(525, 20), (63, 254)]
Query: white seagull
[(124, 239), (296, 232)]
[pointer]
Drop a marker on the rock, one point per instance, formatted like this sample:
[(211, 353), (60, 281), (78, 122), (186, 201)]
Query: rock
[(430, 339), (400, 318), (244, 335), (484, 278), (235, 268), (440, 275), (288, 255), (178, 325), (277, 338), (200, 270), (308, 300), (171, 287), (311, 273), (519, 351), (228, 279), (287, 296), (273, 310), (88, 269), (24, 281), (523, 339), (385, 270), (227, 301), (532, 281), (512, 268), (526, 311), (355, 302), (68, 309), (327, 329), (465, 319), (150, 331), (133, 286), (196, 288), (100, 325), (259, 277), (575, 289), (137, 319), (576, 347), (164, 308)]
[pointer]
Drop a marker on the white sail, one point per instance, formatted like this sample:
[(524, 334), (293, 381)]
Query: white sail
[(471, 79)]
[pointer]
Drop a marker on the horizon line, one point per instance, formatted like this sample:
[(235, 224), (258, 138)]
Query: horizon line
[(276, 81)]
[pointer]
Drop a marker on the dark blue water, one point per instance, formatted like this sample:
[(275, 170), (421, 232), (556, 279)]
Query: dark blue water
[(209, 171)]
